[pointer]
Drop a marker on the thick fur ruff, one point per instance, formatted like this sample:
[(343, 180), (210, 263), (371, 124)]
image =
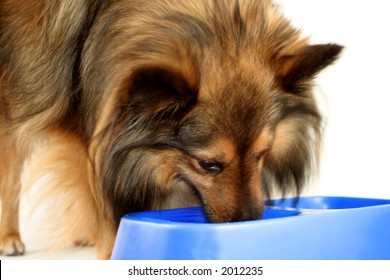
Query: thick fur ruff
[(154, 104)]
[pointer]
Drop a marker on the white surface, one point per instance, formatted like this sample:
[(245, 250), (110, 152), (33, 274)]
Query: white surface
[(38, 243), (354, 94)]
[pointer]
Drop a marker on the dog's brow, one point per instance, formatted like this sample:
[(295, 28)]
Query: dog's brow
[(221, 150), (263, 141)]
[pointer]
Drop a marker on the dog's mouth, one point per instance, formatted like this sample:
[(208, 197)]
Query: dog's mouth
[(213, 216)]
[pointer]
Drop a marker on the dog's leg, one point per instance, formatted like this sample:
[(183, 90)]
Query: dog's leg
[(10, 168), (73, 217), (105, 239)]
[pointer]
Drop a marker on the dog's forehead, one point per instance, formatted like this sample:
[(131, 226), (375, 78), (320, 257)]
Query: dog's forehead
[(240, 101), (237, 115), (247, 79)]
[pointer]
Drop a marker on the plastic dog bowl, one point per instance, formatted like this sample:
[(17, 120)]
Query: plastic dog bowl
[(359, 229)]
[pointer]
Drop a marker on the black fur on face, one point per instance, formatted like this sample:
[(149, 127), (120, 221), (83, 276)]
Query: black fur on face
[(145, 128)]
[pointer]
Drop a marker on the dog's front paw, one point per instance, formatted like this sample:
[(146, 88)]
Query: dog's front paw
[(11, 245)]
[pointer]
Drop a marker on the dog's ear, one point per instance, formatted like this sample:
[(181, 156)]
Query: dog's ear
[(295, 71), (161, 94)]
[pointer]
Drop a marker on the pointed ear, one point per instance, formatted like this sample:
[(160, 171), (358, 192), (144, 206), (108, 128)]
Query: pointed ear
[(161, 94), (297, 70)]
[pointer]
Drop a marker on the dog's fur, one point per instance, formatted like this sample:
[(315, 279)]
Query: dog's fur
[(154, 104)]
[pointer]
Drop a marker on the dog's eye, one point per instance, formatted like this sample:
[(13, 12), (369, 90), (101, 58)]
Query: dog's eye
[(214, 167)]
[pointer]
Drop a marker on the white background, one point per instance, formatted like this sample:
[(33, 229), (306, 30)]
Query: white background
[(353, 93)]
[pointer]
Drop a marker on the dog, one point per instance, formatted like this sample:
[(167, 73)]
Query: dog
[(144, 105)]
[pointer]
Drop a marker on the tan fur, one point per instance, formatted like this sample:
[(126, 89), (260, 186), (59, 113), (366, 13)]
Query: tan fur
[(62, 160), (220, 150)]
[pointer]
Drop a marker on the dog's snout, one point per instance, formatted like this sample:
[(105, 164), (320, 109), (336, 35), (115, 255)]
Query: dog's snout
[(245, 211), (250, 213), (237, 216)]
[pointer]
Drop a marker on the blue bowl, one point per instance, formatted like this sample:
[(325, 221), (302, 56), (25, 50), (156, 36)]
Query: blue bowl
[(325, 203), (289, 229)]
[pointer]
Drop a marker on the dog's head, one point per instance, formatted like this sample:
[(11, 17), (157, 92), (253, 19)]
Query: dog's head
[(213, 101)]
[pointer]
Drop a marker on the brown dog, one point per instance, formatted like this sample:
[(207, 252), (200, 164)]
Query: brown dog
[(154, 104)]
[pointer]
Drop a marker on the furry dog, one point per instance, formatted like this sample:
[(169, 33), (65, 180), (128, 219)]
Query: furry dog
[(154, 104)]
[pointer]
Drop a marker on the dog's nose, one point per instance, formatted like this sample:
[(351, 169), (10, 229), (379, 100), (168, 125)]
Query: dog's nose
[(244, 213), (250, 212)]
